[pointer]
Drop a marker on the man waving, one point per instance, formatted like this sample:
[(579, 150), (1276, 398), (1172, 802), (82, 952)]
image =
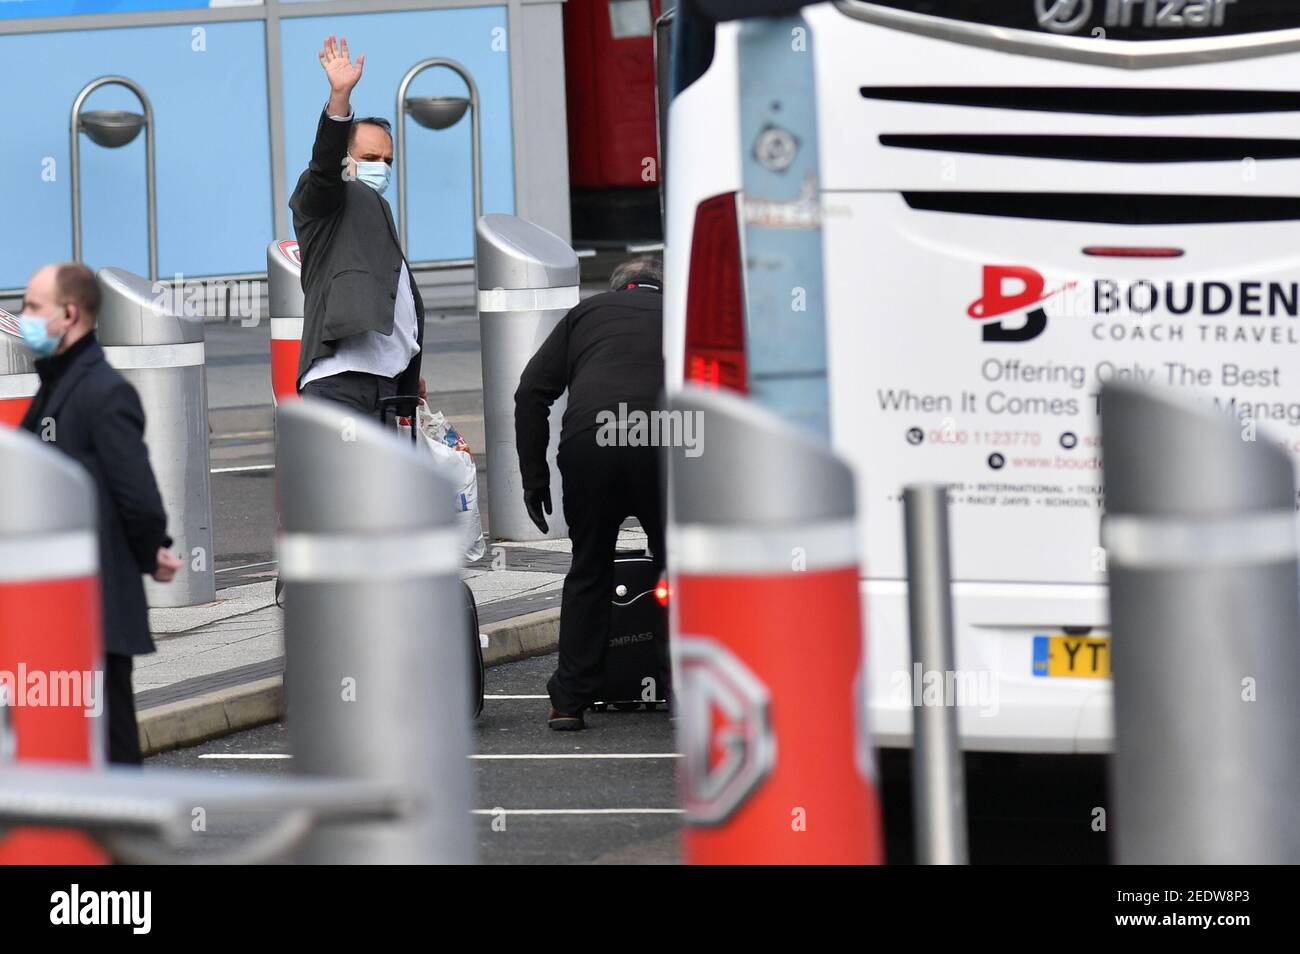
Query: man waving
[(364, 319)]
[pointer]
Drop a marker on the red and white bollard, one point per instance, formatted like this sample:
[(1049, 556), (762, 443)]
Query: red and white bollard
[(51, 657), (767, 641), (284, 275), (18, 379)]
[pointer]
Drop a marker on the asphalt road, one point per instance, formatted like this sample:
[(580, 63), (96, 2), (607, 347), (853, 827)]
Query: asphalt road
[(593, 810), (612, 810)]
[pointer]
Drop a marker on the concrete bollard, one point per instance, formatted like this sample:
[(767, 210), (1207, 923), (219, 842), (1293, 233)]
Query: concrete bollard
[(161, 352), (528, 281), (1200, 536), (375, 650)]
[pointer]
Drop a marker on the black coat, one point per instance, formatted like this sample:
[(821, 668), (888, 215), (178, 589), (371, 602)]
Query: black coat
[(607, 351), (89, 411), (351, 258)]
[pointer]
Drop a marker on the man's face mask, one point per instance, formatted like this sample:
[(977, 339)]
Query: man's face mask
[(37, 335), (374, 174)]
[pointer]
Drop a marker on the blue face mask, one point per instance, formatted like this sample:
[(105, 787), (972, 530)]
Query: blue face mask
[(37, 336), (375, 174)]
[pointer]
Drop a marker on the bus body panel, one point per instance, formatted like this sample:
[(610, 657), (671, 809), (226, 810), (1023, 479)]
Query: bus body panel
[(704, 161), (907, 292)]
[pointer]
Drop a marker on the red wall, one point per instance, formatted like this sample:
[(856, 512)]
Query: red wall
[(611, 100)]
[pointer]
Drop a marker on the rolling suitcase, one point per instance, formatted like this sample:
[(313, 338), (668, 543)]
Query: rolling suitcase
[(637, 671), (405, 407), (477, 674)]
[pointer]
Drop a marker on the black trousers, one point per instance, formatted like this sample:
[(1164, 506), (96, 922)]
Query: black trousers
[(603, 486), (119, 706), (355, 389)]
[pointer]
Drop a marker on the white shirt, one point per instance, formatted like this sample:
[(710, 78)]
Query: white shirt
[(371, 351)]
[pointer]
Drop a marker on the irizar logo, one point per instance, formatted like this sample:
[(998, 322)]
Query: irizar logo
[(998, 301), (1063, 16), (1072, 16)]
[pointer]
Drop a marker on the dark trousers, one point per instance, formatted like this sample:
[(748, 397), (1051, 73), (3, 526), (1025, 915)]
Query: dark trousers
[(119, 706), (354, 389), (603, 486)]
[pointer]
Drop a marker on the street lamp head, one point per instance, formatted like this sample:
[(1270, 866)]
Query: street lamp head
[(111, 127), (437, 112)]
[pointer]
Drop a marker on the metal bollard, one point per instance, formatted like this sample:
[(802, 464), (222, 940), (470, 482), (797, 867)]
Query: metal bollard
[(528, 281), (161, 352), (374, 632), (18, 380), (1200, 536), (51, 656), (284, 277), (767, 641), (938, 783)]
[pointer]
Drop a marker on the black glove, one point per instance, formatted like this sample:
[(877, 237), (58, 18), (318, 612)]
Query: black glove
[(536, 501)]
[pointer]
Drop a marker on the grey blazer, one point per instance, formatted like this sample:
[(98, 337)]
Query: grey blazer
[(351, 258)]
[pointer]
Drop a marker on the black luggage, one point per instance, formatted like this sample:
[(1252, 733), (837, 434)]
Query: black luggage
[(476, 675), (405, 407), (637, 670)]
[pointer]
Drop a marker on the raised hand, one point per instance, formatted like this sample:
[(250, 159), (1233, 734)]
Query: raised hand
[(342, 73)]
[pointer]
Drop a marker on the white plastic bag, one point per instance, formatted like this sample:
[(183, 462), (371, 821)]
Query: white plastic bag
[(452, 455)]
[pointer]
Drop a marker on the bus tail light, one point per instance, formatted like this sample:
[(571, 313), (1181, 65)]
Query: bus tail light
[(715, 299), (1126, 251)]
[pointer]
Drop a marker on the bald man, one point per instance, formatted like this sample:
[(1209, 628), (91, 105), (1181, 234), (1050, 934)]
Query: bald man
[(91, 413)]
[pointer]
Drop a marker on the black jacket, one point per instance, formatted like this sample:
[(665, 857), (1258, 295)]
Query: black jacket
[(351, 258), (89, 411), (607, 351)]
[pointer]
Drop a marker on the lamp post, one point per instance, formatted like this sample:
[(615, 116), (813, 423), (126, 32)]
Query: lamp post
[(114, 128), (436, 112)]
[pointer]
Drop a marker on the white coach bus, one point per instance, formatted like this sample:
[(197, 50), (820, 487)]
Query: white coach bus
[(1019, 200)]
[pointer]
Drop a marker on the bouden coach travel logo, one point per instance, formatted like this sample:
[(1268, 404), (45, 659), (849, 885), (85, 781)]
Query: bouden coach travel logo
[(996, 302), (1017, 304)]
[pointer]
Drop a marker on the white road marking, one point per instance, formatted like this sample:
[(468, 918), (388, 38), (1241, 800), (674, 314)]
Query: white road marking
[(584, 755), (246, 566), (267, 755), (488, 758), (515, 697), (241, 470), (577, 811)]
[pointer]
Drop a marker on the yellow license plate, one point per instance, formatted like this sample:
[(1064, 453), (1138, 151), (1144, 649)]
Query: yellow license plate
[(1075, 657)]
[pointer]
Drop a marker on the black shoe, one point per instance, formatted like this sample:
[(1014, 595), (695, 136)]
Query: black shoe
[(565, 723)]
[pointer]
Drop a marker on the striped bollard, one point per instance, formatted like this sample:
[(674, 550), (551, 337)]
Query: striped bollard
[(51, 660), (767, 641), (284, 279), (18, 379)]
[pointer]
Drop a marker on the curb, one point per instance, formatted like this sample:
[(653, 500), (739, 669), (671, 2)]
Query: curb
[(178, 725)]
